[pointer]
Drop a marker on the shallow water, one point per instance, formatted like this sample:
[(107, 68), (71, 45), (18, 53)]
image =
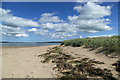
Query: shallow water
[(26, 44)]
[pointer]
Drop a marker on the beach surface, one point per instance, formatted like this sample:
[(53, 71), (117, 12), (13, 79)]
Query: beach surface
[(86, 53), (23, 62)]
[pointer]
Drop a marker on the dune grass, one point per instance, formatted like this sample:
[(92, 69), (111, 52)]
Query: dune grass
[(108, 45)]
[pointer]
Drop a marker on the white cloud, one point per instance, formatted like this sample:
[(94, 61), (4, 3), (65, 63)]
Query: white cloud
[(97, 1), (72, 18), (81, 37), (60, 27), (32, 30), (49, 17), (61, 30), (60, 35), (21, 35), (92, 11), (92, 25), (12, 24), (15, 21), (109, 35), (91, 18), (79, 1), (11, 31), (41, 32)]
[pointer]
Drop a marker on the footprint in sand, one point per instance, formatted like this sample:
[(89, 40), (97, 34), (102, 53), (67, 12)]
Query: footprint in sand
[(4, 53), (27, 61), (31, 72), (27, 76), (76, 54), (43, 66), (12, 74)]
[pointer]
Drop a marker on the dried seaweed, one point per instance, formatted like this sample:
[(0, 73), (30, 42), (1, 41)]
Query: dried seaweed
[(71, 67)]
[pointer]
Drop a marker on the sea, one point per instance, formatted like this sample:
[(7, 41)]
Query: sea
[(26, 44)]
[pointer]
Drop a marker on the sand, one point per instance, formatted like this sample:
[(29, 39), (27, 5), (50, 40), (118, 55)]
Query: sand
[(23, 62), (86, 53), (0, 64)]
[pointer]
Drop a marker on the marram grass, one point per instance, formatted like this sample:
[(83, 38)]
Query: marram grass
[(108, 45)]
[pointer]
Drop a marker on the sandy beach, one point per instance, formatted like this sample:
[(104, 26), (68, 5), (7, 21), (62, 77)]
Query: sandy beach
[(23, 62), (86, 53)]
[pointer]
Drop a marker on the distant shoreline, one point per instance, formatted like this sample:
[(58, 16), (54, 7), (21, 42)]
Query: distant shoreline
[(28, 46), (32, 42), (17, 45)]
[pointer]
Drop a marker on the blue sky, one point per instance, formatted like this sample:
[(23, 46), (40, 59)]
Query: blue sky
[(42, 14)]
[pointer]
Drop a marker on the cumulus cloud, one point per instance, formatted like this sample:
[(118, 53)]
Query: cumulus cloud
[(61, 30), (41, 32), (49, 17), (32, 30), (109, 35), (11, 31), (60, 27), (81, 37), (91, 18), (12, 24), (92, 11), (97, 1), (21, 35), (14, 21), (60, 35), (72, 18)]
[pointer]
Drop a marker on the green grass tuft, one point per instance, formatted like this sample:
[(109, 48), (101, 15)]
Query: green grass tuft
[(109, 45)]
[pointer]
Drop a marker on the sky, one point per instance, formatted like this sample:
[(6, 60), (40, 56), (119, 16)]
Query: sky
[(57, 21)]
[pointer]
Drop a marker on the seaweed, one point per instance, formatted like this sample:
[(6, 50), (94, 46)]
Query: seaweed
[(70, 67)]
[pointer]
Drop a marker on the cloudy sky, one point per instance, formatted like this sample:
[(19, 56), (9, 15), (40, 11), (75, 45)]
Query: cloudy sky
[(56, 21)]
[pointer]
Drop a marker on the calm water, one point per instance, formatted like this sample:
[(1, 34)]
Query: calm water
[(26, 44)]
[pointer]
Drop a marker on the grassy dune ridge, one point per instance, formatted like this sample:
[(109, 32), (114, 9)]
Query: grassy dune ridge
[(106, 45)]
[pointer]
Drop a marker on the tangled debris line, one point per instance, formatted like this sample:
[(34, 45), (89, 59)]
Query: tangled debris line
[(70, 67), (117, 66)]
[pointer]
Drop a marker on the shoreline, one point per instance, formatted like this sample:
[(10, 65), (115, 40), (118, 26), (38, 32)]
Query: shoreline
[(27, 46)]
